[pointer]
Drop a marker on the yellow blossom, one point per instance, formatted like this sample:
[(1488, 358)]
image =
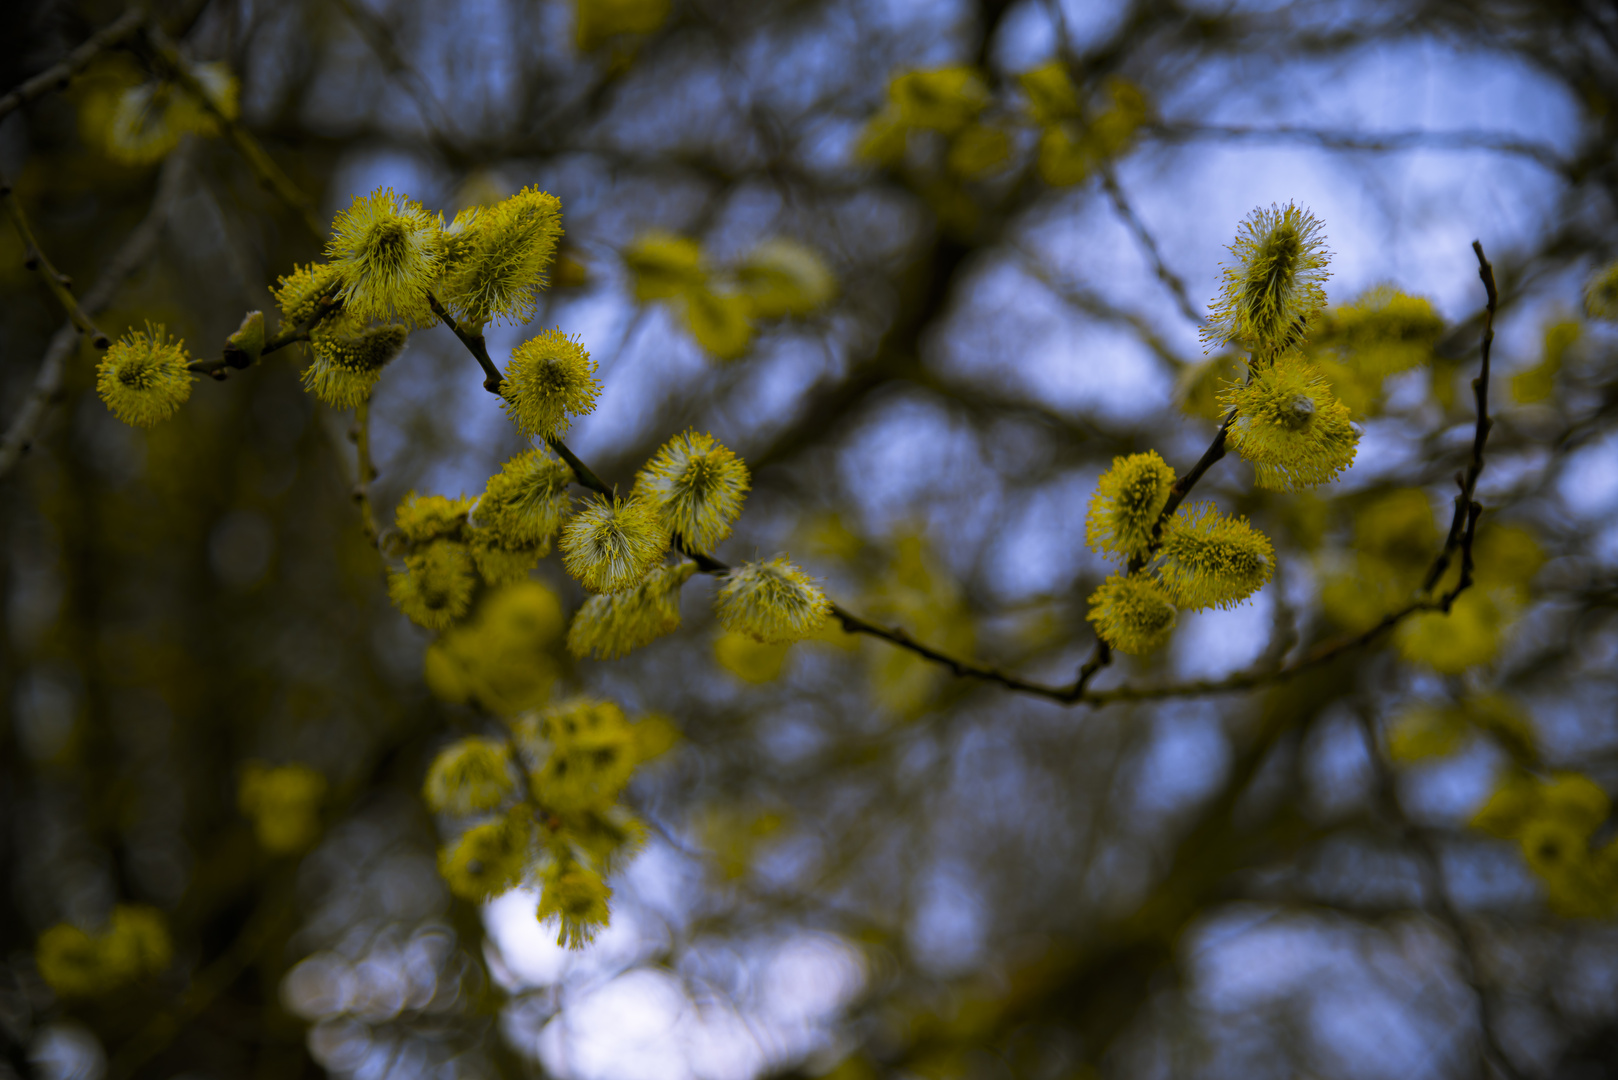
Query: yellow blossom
[(1273, 291), (1126, 504), (385, 250), (1132, 614), (1289, 426), (696, 486), (469, 777), (143, 378), (1209, 560), (609, 545), (771, 601), (551, 378), (610, 626)]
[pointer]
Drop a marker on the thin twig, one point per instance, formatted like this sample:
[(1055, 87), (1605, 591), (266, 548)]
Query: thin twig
[(218, 368), (365, 471), (137, 249), (262, 165), (1460, 538), (1172, 131), (1175, 285), (60, 285), (1438, 885), (58, 75)]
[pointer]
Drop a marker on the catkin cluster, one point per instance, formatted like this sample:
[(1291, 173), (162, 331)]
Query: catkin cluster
[(722, 308), (1281, 414), (539, 804)]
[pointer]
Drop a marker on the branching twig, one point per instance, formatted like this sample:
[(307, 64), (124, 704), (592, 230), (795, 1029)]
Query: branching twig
[(47, 386), (260, 162), (1460, 538), (60, 285), (1182, 297), (218, 368), (1344, 140)]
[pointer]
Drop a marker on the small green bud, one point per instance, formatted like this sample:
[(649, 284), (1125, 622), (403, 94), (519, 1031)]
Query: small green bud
[(246, 345)]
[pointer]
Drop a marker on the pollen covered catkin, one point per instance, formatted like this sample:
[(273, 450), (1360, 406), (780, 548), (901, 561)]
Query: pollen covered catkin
[(696, 486), (1126, 504), (614, 625), (143, 378), (435, 588), (550, 379), (1290, 426), (470, 776), (609, 545), (385, 250), (1133, 614), (500, 256), (771, 601), (1209, 560), (346, 369), (1274, 289), (527, 499)]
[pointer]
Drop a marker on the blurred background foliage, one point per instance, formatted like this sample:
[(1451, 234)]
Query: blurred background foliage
[(926, 267)]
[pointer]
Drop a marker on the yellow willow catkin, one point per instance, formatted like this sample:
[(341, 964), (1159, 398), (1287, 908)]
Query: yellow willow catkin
[(1126, 504), (386, 250), (435, 588), (1209, 560), (527, 499), (771, 601), (346, 369), (1274, 289), (697, 487), (609, 545), (497, 273), (614, 625), (1290, 426), (550, 377), (1132, 614), (299, 293), (422, 519), (577, 896), (589, 754), (469, 777), (143, 378), (488, 859)]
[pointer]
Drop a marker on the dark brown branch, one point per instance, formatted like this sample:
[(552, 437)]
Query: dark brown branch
[(1460, 538), (58, 75), (581, 471), (473, 340), (1463, 525)]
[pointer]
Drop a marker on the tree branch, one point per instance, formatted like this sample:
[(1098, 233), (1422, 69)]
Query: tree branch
[(60, 285), (263, 166), (47, 387), (58, 75)]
